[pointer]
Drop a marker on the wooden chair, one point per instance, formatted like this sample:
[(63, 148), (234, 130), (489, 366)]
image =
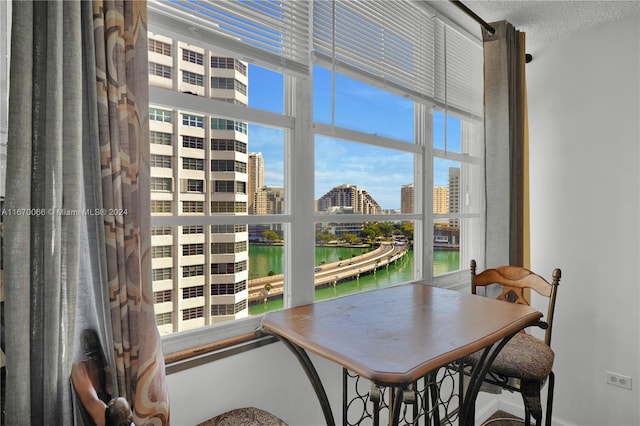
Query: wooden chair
[(89, 385), (96, 406), (526, 362)]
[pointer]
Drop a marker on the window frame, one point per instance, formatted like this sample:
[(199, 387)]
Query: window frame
[(299, 217)]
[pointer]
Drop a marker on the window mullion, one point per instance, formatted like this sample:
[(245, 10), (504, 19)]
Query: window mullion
[(299, 177), (423, 232)]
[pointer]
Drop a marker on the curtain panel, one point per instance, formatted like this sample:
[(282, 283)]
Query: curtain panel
[(123, 104), (44, 180), (77, 233), (506, 171)]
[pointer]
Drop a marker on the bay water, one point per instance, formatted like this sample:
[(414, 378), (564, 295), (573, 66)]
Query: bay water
[(264, 259)]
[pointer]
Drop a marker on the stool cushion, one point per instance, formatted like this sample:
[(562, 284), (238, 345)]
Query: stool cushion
[(249, 416), (524, 357)]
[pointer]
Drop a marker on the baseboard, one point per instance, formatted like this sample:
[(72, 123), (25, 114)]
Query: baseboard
[(486, 410), (517, 409)]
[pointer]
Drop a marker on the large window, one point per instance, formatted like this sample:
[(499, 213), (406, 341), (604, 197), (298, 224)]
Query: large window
[(317, 174)]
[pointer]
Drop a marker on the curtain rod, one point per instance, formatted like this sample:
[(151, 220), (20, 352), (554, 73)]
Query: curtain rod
[(472, 14), (485, 25)]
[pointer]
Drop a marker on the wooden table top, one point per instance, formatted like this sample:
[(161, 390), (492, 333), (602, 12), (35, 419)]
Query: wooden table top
[(395, 335)]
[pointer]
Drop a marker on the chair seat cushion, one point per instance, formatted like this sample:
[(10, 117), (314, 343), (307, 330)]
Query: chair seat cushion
[(524, 357), (249, 416)]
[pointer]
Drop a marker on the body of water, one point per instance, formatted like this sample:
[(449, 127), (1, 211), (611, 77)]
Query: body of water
[(263, 259)]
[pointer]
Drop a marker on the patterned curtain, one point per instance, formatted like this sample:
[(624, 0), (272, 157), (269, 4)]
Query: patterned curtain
[(122, 86), (76, 229)]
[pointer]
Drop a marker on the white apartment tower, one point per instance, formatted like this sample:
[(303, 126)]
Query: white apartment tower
[(198, 168)]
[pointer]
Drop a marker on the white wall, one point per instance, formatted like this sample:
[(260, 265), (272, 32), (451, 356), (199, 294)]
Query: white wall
[(269, 377), (584, 116)]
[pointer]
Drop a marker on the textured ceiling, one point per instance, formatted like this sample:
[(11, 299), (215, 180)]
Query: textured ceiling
[(544, 21)]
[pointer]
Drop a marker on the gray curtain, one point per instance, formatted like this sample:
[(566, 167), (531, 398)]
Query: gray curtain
[(53, 249), (505, 136)]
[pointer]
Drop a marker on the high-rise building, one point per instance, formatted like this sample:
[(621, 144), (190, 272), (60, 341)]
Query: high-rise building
[(198, 167), (454, 193), (349, 198), (407, 197), (257, 203), (440, 199)]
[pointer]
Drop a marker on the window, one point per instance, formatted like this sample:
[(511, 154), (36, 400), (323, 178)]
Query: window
[(228, 63), (157, 114), (228, 288), (160, 230), (228, 309), (160, 138), (387, 114), (195, 185), (161, 184), (192, 313), (230, 186), (163, 319), (221, 248), (225, 186), (191, 292), (162, 161), (228, 145), (384, 149), (192, 229), (162, 296), (159, 47), (218, 289), (228, 268), (192, 120), (228, 229), (228, 207), (159, 70), (222, 124), (228, 83), (192, 56), (160, 206), (192, 207), (192, 142), (192, 78), (192, 249), (192, 271), (228, 166), (160, 251), (222, 83), (161, 274)]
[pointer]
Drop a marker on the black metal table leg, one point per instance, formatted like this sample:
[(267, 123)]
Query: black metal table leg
[(467, 413), (312, 374)]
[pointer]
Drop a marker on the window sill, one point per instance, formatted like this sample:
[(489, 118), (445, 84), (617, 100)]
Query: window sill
[(193, 357)]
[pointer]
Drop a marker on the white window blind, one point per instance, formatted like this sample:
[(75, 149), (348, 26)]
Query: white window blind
[(268, 32), (392, 41), (458, 71), (401, 44)]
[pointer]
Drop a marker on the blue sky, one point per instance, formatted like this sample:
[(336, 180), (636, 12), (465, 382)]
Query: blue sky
[(360, 107)]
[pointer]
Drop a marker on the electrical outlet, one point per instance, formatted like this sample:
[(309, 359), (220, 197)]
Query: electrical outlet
[(619, 380)]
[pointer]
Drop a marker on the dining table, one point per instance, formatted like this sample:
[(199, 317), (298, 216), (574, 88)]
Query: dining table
[(396, 335)]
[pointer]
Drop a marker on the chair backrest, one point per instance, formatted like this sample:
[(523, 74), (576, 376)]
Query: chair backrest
[(514, 280)]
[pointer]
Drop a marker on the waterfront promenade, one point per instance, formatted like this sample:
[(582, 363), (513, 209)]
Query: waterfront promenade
[(332, 273)]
